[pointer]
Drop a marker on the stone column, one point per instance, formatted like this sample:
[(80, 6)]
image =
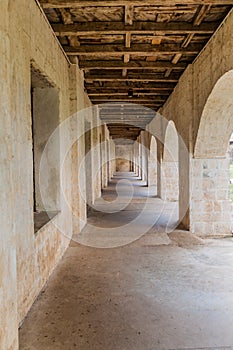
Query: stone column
[(152, 164), (210, 205), (96, 166), (104, 160), (144, 156), (137, 157), (112, 162), (159, 173), (169, 180)]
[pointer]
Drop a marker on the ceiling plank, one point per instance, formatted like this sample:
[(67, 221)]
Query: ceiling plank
[(115, 28), (103, 3)]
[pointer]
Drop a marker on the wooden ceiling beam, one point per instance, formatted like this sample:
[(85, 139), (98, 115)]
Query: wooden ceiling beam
[(124, 72), (104, 64), (116, 28), (132, 78), (187, 40), (135, 49), (126, 58), (116, 3), (128, 39), (154, 86), (134, 100), (129, 99), (143, 94), (168, 72), (114, 88), (126, 115), (133, 112), (116, 127), (176, 58), (117, 118), (129, 14)]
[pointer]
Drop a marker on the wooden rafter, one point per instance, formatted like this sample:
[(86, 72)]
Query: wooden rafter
[(155, 99), (95, 3), (136, 49), (138, 78), (115, 28), (153, 86), (135, 65), (125, 93)]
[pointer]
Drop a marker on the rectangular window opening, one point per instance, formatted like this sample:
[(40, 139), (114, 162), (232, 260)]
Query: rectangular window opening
[(44, 120)]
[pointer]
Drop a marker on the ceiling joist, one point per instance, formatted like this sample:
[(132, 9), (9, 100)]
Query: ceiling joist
[(135, 65), (116, 28), (115, 3), (135, 49)]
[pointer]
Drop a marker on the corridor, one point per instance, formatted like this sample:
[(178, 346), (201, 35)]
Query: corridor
[(165, 290), (115, 191)]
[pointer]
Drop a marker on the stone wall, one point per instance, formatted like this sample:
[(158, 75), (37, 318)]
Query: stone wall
[(210, 206), (124, 156), (152, 163), (28, 259), (8, 186)]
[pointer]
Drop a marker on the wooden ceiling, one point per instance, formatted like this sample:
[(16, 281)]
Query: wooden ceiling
[(134, 51), (125, 120)]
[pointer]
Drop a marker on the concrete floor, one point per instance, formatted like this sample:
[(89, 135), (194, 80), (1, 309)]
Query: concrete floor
[(163, 291)]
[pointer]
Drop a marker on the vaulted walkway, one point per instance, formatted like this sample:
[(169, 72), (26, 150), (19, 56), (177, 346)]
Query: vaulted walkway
[(163, 291)]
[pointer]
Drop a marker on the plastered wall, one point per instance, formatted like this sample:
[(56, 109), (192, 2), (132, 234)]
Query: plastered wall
[(27, 259)]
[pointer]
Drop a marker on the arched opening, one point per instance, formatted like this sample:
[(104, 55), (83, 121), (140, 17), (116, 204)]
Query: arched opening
[(152, 164), (210, 196), (169, 165)]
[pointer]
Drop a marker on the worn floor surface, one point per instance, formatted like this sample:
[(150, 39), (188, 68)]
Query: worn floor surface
[(163, 291)]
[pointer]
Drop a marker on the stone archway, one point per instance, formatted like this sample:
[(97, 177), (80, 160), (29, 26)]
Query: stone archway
[(152, 163), (170, 165), (210, 210), (216, 124)]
